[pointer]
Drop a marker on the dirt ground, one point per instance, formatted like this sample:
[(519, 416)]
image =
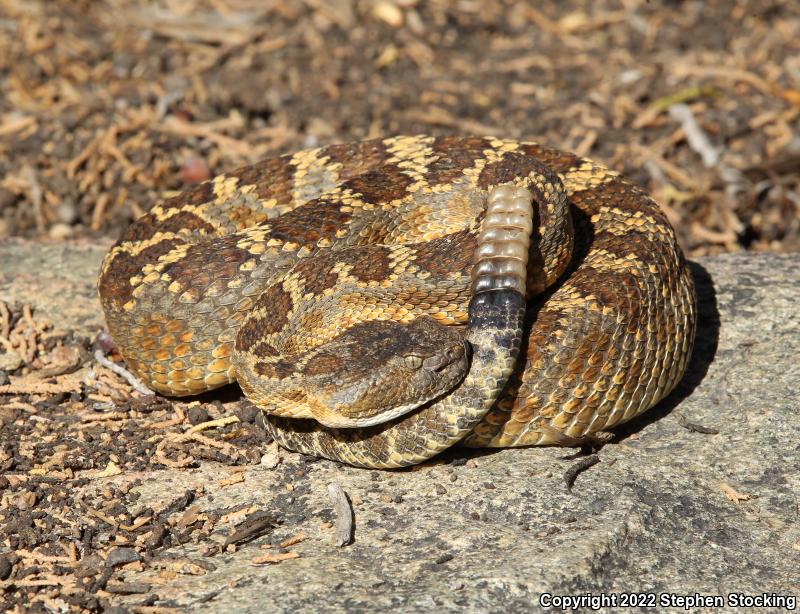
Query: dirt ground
[(108, 106)]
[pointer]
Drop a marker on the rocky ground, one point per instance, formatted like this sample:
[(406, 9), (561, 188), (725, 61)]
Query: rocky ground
[(115, 501), (109, 499)]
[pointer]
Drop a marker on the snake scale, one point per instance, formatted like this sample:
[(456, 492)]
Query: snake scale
[(383, 300)]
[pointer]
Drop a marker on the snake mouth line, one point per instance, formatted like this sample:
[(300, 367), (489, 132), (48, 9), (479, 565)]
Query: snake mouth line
[(341, 422), (460, 363)]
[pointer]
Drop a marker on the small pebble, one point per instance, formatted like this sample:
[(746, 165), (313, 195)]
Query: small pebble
[(247, 413), (271, 458), (7, 198), (60, 230), (105, 342), (197, 415), (89, 565), (121, 556), (5, 568), (26, 501), (195, 170), (389, 13), (66, 213), (440, 490), (10, 361)]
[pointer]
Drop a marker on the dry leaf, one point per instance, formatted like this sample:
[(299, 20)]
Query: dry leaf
[(732, 494), (274, 558)]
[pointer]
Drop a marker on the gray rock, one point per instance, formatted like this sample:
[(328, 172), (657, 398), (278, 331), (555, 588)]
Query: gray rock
[(61, 277), (5, 568), (10, 361), (498, 531), (121, 556)]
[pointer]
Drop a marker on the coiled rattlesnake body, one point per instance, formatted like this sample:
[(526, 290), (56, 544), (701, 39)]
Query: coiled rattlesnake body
[(335, 285)]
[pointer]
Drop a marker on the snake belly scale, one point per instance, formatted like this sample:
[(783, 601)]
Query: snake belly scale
[(377, 300)]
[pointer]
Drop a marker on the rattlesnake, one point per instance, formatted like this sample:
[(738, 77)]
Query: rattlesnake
[(365, 299)]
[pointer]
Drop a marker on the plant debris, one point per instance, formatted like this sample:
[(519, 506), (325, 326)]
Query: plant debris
[(582, 465), (69, 424), (110, 106)]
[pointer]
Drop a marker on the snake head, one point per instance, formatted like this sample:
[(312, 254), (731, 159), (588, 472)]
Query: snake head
[(379, 370)]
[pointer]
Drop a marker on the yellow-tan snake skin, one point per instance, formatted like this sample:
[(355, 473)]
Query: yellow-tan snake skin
[(368, 297)]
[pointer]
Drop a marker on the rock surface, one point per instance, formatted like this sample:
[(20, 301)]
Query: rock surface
[(493, 531)]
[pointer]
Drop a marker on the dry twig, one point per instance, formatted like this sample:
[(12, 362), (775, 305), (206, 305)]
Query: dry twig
[(344, 514), (129, 377)]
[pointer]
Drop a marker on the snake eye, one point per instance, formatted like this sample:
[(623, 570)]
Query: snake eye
[(412, 361)]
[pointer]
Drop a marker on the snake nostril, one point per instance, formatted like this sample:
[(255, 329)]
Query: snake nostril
[(449, 356)]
